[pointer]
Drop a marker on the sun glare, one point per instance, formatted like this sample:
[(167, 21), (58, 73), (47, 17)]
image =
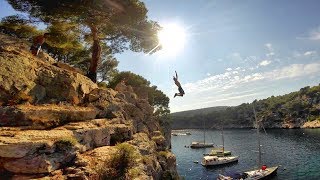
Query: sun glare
[(172, 38)]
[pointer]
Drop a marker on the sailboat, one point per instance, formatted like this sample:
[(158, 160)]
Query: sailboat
[(196, 144), (219, 160), (256, 174), (219, 151)]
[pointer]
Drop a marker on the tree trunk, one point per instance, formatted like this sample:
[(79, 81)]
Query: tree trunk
[(96, 54)]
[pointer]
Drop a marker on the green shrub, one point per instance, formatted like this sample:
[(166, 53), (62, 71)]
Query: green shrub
[(134, 172), (65, 144), (163, 154), (121, 163)]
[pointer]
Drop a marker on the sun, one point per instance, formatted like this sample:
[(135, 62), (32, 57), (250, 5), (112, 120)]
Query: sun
[(172, 38)]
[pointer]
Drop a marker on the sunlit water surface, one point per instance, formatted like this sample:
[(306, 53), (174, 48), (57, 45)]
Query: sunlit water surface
[(296, 150)]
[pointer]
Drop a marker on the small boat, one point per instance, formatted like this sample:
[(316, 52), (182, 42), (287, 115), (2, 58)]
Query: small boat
[(180, 134), (221, 159), (264, 172), (200, 145), (215, 160), (197, 144), (188, 133), (257, 174), (219, 153)]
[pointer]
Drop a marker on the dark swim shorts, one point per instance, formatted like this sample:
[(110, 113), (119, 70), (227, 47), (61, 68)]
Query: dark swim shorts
[(181, 90)]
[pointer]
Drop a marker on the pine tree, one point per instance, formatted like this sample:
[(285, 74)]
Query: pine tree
[(118, 24)]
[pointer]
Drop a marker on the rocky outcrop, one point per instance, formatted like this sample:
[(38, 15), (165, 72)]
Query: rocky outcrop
[(56, 123), (44, 116), (312, 124), (28, 79)]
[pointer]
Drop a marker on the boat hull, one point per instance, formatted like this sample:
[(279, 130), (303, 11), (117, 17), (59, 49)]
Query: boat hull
[(252, 175), (201, 145), (262, 174), (220, 154), (216, 161)]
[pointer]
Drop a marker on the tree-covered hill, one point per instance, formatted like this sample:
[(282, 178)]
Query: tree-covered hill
[(202, 111), (292, 110)]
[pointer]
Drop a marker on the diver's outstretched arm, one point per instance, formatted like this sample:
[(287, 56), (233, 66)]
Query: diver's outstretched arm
[(176, 74)]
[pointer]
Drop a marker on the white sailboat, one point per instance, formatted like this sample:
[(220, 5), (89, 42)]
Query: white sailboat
[(219, 151), (256, 174), (196, 144), (218, 160)]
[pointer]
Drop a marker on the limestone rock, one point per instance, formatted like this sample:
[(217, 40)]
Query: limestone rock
[(48, 150), (168, 162), (20, 72), (143, 143), (312, 124), (68, 67), (44, 116), (160, 141)]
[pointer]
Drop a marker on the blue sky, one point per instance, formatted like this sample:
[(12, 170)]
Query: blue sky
[(235, 51)]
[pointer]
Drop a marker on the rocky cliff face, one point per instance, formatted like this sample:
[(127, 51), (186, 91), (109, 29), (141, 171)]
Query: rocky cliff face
[(57, 124)]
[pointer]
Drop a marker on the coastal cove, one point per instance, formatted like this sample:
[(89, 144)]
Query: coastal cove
[(296, 150)]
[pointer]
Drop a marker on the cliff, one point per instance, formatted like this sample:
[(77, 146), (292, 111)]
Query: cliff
[(56, 123), (300, 109)]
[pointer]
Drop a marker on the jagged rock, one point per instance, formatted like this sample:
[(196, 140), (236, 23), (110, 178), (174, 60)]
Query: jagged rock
[(145, 107), (43, 148), (96, 160), (67, 67), (101, 95), (103, 99), (168, 161), (153, 167), (44, 116), (143, 143), (141, 92), (312, 124), (160, 141), (21, 72), (152, 124), (38, 164)]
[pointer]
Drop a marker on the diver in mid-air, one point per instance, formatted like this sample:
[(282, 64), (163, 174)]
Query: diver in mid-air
[(181, 92)]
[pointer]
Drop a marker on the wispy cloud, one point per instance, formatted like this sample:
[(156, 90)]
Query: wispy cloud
[(270, 50), (235, 56), (309, 53), (312, 35), (269, 46), (265, 63), (294, 71), (231, 79), (315, 34)]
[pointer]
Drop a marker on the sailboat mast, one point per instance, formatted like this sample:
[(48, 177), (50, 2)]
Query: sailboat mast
[(204, 131), (258, 136), (222, 142)]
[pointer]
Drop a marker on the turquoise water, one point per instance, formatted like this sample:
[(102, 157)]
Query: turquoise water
[(296, 150)]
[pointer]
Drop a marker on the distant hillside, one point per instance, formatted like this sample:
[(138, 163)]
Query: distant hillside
[(293, 110), (191, 113)]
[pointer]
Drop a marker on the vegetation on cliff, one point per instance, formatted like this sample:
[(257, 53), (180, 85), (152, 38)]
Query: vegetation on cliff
[(58, 124), (287, 111), (110, 27)]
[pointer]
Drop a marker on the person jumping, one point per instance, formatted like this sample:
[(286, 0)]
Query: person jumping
[(37, 43), (181, 92)]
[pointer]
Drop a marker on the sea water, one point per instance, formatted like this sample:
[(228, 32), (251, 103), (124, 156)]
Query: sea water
[(297, 151)]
